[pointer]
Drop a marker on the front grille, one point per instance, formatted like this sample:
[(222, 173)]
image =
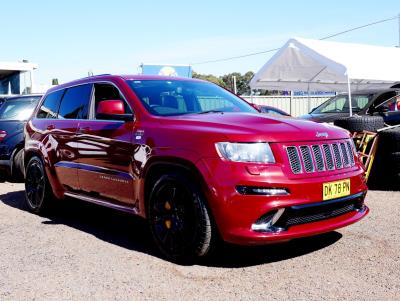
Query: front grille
[(302, 214), (319, 216), (318, 158)]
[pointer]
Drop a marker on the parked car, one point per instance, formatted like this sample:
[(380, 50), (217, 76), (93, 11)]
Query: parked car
[(368, 102), (272, 110), (14, 113), (196, 161)]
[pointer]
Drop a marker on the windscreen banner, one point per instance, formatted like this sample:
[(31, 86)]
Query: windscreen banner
[(167, 70)]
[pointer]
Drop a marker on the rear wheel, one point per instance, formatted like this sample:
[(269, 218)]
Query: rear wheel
[(38, 192), (179, 219)]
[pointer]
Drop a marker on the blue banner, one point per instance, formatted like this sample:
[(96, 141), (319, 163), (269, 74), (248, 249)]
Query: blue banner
[(167, 70)]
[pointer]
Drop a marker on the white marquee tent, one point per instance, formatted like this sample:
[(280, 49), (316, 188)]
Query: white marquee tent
[(315, 65)]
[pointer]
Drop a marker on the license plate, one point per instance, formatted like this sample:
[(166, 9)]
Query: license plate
[(337, 189)]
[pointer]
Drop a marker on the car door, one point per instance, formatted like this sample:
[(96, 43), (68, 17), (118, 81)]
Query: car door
[(105, 151), (74, 106), (55, 136)]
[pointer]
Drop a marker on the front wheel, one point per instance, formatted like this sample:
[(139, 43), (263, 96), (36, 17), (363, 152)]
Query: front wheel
[(179, 219), (38, 192)]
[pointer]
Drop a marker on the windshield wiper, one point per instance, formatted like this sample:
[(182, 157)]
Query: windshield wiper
[(210, 111)]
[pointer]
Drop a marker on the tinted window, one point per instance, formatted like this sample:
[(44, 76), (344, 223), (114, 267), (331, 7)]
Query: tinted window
[(50, 105), (75, 103), (175, 97)]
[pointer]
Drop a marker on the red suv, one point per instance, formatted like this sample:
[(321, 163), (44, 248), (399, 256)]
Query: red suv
[(196, 161)]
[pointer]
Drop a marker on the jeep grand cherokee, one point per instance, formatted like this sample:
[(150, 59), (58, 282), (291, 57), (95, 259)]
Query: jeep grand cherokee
[(193, 159)]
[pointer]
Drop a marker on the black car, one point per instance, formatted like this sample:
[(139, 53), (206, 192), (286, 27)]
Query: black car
[(13, 115), (385, 103)]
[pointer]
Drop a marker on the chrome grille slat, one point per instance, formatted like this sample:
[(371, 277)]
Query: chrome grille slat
[(338, 157), (319, 160), (307, 159), (320, 157), (328, 157), (346, 159), (294, 159), (350, 150)]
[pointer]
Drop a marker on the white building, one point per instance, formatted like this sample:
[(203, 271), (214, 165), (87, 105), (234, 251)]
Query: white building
[(17, 78)]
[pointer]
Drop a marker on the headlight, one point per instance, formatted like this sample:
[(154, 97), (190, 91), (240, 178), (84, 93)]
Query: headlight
[(246, 152)]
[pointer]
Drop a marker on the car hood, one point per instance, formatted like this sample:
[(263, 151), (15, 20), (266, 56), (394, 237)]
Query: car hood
[(246, 127)]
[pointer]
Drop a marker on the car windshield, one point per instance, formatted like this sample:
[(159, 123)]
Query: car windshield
[(18, 109), (340, 104), (179, 97)]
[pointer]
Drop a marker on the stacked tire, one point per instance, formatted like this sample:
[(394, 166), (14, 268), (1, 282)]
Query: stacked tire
[(385, 173), (360, 123)]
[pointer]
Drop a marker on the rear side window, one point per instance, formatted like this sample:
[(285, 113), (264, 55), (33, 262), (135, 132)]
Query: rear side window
[(75, 103), (49, 107)]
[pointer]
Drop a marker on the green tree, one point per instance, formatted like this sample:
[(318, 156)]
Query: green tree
[(226, 81), (210, 78)]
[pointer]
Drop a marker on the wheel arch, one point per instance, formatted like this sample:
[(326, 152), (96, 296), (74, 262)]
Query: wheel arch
[(159, 166)]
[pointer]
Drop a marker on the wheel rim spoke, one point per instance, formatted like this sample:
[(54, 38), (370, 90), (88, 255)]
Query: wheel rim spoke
[(173, 226)]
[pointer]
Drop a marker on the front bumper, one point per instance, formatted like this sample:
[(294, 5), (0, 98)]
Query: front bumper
[(235, 213)]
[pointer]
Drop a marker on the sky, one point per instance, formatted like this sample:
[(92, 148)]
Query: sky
[(68, 39)]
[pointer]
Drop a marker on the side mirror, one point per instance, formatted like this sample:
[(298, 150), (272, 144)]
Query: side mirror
[(112, 110)]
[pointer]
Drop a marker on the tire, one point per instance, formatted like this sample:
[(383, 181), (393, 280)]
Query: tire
[(385, 173), (360, 123), (179, 220), (389, 140), (395, 161), (38, 193), (18, 166)]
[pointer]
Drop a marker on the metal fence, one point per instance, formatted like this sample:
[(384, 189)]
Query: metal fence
[(294, 105)]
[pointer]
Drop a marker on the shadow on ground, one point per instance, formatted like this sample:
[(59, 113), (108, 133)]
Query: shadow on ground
[(132, 233)]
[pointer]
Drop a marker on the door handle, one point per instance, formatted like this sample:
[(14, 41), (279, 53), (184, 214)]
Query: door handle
[(51, 127)]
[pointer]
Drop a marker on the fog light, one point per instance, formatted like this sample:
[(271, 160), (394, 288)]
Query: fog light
[(266, 222), (261, 190)]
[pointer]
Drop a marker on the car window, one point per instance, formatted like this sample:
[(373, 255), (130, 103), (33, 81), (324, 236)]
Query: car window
[(75, 103), (50, 105), (392, 104), (178, 97), (104, 91), (17, 110), (340, 104)]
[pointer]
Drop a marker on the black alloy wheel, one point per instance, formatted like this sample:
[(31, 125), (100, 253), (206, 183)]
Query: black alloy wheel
[(36, 186), (178, 218)]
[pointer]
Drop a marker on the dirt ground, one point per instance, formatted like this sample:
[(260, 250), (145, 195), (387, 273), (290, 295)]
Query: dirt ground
[(84, 252)]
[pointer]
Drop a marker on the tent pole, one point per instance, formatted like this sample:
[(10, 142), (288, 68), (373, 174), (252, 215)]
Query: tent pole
[(349, 92)]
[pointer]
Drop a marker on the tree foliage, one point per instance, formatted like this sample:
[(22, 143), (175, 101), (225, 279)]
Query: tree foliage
[(226, 81)]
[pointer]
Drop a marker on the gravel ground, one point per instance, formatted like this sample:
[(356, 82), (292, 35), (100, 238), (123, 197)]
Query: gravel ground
[(85, 252)]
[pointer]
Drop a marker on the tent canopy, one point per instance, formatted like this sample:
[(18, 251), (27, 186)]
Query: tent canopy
[(315, 65)]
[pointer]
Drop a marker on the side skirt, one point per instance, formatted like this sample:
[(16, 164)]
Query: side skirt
[(128, 209)]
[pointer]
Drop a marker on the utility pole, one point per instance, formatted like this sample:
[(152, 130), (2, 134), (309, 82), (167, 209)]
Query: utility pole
[(234, 84)]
